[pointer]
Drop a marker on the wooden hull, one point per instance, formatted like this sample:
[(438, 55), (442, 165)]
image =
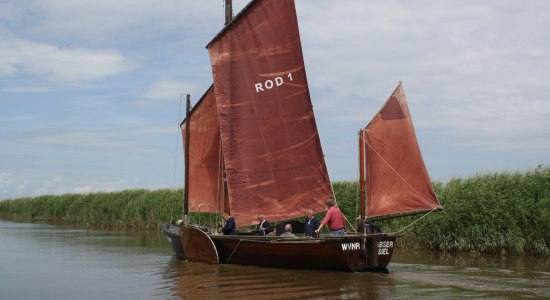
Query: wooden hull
[(347, 253), (356, 253)]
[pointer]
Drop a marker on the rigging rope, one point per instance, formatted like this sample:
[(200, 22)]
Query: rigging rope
[(233, 251), (347, 221), (399, 231)]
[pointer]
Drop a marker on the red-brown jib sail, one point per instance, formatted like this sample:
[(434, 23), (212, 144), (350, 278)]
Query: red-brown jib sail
[(271, 146), (392, 170)]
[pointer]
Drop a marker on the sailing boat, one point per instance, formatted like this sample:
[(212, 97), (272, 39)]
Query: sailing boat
[(252, 147)]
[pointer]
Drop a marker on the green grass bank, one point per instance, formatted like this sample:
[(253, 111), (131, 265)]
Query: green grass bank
[(497, 213)]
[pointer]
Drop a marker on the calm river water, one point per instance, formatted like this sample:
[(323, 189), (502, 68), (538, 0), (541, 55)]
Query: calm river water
[(40, 261)]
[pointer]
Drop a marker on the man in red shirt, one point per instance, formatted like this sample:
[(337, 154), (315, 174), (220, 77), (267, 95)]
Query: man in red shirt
[(334, 219)]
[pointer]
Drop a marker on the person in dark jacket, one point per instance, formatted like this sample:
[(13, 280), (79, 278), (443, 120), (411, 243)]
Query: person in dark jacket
[(229, 227), (310, 224), (264, 227)]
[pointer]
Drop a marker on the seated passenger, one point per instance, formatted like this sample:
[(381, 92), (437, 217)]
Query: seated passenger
[(263, 228), (229, 227), (273, 232), (288, 232)]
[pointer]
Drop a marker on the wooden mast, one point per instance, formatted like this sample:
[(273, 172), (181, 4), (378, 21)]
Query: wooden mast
[(225, 199), (186, 182), (228, 11), (362, 192)]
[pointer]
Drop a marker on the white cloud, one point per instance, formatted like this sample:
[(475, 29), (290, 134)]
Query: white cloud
[(475, 70), (105, 21), (165, 91), (75, 65), (137, 139), (13, 187), (104, 186)]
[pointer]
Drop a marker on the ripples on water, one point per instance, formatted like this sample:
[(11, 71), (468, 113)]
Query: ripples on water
[(438, 275), (233, 281), (54, 262), (407, 281), (415, 275)]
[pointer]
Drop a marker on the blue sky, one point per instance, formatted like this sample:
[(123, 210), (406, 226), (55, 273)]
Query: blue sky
[(90, 90)]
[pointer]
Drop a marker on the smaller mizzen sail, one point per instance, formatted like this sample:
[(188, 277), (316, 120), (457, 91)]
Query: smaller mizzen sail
[(392, 171), (205, 188)]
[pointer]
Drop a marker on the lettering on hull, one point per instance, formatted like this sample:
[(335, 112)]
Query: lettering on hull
[(384, 247), (350, 246)]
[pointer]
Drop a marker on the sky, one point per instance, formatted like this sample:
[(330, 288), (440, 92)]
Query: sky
[(90, 91)]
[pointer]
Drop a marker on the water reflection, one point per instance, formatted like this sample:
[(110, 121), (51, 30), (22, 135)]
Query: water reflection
[(56, 262), (203, 281), (425, 275)]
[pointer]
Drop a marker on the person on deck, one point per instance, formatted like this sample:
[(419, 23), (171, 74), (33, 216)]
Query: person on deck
[(229, 227), (263, 227), (288, 232), (334, 219), (273, 232), (310, 224)]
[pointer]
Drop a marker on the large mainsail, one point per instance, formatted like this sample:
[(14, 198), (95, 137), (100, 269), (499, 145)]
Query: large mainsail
[(397, 182), (271, 146), (205, 167)]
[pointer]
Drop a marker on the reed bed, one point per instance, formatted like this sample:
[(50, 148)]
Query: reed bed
[(139, 208), (495, 213), (498, 213)]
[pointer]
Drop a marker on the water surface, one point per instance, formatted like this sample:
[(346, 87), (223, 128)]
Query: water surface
[(57, 262)]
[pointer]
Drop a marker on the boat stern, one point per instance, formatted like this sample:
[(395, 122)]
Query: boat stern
[(379, 252)]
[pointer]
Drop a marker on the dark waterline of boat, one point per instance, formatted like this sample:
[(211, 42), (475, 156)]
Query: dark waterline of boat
[(57, 262)]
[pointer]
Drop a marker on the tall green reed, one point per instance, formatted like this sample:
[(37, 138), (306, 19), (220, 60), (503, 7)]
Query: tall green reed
[(500, 213)]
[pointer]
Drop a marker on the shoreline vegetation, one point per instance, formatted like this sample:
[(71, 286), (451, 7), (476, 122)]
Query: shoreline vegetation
[(493, 213)]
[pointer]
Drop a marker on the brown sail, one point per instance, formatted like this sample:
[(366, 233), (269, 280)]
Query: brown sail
[(271, 146), (204, 190), (395, 178)]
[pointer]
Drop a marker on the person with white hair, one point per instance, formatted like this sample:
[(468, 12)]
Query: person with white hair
[(311, 223), (288, 232), (264, 227)]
